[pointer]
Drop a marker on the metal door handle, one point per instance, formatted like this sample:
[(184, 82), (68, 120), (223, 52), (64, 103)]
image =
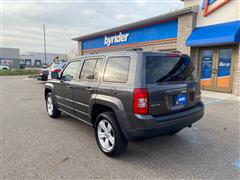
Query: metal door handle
[(214, 71), (89, 89)]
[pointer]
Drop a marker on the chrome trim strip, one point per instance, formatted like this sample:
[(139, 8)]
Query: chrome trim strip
[(76, 117), (81, 103), (59, 97), (72, 108), (65, 105), (80, 112)]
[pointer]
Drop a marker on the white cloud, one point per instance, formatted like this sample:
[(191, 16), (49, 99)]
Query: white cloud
[(120, 16)]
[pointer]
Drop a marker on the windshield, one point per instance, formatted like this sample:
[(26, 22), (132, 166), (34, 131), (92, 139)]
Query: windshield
[(170, 69), (55, 65)]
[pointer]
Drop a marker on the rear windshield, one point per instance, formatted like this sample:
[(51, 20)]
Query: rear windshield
[(170, 69)]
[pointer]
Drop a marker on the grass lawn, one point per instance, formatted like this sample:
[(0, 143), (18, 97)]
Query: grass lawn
[(18, 72)]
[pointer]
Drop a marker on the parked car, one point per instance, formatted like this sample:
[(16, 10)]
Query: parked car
[(50, 72), (55, 69), (127, 95), (43, 74), (3, 67)]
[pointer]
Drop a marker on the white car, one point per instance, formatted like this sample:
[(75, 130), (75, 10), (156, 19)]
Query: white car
[(2, 67)]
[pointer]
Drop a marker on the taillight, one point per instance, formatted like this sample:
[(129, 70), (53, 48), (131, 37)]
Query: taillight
[(56, 70), (140, 101)]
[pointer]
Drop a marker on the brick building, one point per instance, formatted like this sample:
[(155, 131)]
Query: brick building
[(208, 30)]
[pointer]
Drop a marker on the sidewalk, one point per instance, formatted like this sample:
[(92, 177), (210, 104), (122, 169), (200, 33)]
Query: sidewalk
[(218, 95)]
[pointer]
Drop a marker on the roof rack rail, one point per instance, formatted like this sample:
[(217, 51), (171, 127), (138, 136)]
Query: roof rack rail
[(170, 51), (94, 52), (135, 49)]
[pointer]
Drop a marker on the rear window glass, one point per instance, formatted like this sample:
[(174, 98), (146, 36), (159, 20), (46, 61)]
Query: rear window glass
[(117, 69), (170, 69)]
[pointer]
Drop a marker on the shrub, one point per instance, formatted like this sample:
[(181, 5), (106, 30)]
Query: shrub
[(17, 72)]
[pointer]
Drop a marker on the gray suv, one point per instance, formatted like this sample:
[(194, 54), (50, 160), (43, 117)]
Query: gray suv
[(127, 95)]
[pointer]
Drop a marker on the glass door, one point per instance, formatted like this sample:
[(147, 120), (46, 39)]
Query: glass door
[(207, 69), (217, 68), (224, 69)]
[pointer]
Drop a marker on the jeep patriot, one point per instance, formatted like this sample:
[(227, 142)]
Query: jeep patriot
[(127, 95)]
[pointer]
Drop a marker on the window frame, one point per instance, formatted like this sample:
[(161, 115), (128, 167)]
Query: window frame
[(91, 59), (67, 64), (103, 75)]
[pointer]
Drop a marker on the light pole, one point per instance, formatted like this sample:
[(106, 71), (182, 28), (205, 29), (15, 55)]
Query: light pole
[(44, 37)]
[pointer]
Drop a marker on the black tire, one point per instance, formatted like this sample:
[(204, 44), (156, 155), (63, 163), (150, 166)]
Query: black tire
[(5, 69), (120, 144), (55, 112), (44, 78)]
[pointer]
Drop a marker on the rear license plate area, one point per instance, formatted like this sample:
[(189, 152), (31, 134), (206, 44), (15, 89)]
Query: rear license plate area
[(179, 100)]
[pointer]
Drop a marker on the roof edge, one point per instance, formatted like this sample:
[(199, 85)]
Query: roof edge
[(192, 9)]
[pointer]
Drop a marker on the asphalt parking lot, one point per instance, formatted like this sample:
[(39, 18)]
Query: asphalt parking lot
[(33, 146)]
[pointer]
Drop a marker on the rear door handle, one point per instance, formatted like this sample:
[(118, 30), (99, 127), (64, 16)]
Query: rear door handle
[(89, 89)]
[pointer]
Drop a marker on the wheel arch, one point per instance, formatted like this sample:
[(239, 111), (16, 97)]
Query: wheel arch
[(103, 103), (48, 88)]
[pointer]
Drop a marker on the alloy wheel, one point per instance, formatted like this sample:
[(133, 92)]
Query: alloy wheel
[(106, 136), (50, 105)]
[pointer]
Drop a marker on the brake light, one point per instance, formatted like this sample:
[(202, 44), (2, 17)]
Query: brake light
[(56, 70), (140, 101)]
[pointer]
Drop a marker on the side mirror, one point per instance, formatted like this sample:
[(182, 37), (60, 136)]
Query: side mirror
[(67, 77)]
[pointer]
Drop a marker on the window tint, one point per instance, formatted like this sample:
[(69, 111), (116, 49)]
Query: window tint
[(70, 72), (117, 69), (165, 69), (97, 69), (88, 69)]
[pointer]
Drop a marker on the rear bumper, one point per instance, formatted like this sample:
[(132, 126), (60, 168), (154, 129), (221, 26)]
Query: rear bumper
[(42, 77), (149, 126)]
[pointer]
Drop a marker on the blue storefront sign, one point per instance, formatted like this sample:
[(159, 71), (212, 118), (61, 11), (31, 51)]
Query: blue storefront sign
[(149, 33)]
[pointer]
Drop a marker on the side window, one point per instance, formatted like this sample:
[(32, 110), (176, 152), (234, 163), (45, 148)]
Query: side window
[(97, 69), (70, 72), (88, 69), (117, 69), (91, 69)]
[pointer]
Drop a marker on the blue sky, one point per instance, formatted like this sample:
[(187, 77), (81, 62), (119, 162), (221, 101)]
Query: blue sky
[(22, 20)]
